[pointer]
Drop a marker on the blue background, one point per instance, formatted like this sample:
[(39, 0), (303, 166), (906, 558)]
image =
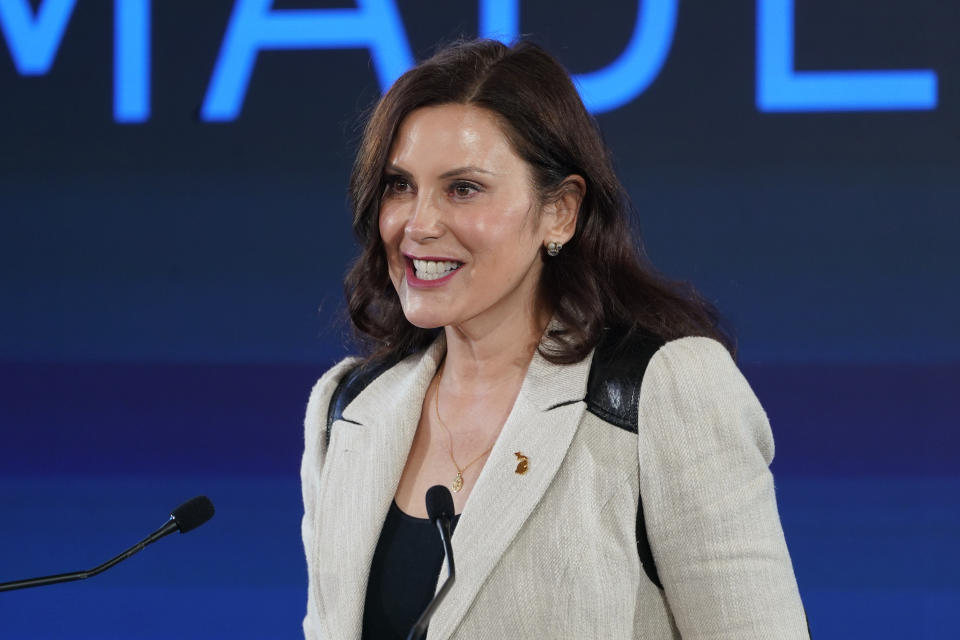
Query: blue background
[(171, 289)]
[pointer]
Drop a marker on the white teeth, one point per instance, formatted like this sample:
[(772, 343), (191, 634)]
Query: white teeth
[(432, 270)]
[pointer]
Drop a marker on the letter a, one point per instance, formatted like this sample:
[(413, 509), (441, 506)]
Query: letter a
[(255, 26)]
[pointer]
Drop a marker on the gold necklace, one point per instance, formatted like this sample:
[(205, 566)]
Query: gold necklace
[(458, 481)]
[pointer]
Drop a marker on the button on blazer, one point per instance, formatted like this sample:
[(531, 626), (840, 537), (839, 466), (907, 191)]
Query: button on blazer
[(552, 553)]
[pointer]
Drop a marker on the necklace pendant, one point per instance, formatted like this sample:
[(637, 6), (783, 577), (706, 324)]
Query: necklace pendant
[(457, 483)]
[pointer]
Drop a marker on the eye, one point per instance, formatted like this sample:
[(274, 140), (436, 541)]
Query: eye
[(397, 185), (462, 189)]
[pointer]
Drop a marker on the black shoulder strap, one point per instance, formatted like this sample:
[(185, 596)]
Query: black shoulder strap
[(613, 395), (613, 388)]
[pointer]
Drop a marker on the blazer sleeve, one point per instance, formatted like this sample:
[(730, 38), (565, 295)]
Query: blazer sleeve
[(314, 450), (708, 498)]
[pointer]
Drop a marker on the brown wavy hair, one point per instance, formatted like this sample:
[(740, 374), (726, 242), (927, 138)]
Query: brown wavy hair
[(601, 279)]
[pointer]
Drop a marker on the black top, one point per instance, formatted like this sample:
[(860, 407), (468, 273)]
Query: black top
[(403, 575)]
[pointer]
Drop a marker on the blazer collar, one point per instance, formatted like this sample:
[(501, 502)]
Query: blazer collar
[(371, 446)]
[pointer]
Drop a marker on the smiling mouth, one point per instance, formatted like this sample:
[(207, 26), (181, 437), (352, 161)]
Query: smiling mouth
[(434, 269)]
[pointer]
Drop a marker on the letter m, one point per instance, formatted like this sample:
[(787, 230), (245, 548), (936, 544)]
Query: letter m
[(34, 38)]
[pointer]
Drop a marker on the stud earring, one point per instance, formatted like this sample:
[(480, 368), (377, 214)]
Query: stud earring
[(553, 248)]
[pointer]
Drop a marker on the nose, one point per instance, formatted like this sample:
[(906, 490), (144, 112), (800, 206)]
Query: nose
[(424, 221)]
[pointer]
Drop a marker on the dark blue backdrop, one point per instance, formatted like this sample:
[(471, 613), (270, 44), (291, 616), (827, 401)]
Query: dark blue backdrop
[(161, 273)]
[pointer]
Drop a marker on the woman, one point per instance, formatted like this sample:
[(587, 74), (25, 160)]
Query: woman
[(510, 322)]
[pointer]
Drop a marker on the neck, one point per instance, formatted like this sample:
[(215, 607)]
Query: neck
[(481, 358)]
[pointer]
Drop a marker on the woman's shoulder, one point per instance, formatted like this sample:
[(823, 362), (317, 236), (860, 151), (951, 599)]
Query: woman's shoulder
[(695, 363), (342, 383), (694, 356), (323, 390), (333, 376), (693, 390)]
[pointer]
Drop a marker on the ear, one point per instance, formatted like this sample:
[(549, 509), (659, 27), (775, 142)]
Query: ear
[(560, 214)]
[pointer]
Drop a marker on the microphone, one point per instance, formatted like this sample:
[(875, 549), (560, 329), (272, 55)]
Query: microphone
[(188, 516), (440, 510)]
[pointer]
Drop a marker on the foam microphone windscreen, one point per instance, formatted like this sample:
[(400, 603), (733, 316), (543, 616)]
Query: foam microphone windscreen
[(439, 502), (192, 513)]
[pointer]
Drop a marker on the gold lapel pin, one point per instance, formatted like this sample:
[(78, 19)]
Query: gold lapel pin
[(522, 463)]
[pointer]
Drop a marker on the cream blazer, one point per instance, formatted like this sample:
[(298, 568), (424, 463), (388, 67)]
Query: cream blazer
[(552, 553)]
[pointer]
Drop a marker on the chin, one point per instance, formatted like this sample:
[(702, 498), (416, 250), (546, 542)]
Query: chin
[(424, 313), (425, 318)]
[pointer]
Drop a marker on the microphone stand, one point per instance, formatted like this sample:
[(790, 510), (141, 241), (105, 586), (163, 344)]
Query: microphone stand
[(188, 516), (420, 628), (166, 529)]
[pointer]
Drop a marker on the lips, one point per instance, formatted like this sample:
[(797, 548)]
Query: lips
[(430, 272), (434, 269)]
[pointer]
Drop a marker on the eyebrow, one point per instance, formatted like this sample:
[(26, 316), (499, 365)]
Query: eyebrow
[(459, 171)]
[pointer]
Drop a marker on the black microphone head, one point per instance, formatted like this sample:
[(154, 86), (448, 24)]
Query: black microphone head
[(439, 502), (192, 513)]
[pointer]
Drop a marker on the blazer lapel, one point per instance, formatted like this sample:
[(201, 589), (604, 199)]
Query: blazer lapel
[(364, 462), (541, 426)]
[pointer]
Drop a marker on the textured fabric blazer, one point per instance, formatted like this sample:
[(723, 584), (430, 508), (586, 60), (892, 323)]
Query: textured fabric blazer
[(552, 553)]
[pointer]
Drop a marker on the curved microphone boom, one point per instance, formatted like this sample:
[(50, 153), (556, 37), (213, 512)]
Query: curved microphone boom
[(188, 516), (440, 510)]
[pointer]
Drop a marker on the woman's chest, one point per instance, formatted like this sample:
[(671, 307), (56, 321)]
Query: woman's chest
[(438, 456), (452, 447)]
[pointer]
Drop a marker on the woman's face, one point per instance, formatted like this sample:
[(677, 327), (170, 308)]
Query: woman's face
[(459, 221)]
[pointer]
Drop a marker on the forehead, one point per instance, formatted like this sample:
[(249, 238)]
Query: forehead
[(442, 136)]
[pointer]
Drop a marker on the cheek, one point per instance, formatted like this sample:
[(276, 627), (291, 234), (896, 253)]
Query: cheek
[(509, 231), (390, 225), (391, 233)]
